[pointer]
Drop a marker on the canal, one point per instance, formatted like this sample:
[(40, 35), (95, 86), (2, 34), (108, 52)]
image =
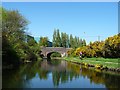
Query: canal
[(58, 74)]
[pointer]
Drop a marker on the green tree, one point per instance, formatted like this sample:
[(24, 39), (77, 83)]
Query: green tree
[(8, 52), (80, 43), (43, 41), (11, 31), (75, 42), (63, 39), (84, 42), (13, 26), (54, 38), (58, 39), (14, 41), (71, 41), (31, 41), (67, 41)]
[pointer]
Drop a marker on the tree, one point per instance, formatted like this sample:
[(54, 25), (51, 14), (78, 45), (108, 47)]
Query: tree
[(75, 42), (31, 41), (111, 47), (84, 42), (67, 41), (43, 41), (58, 39), (13, 25), (14, 38), (71, 41), (54, 38), (80, 43), (8, 52), (63, 39)]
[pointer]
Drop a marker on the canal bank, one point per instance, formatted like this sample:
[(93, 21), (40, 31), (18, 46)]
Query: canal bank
[(97, 63)]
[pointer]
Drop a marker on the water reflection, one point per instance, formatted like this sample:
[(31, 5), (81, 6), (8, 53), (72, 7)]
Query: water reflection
[(57, 73)]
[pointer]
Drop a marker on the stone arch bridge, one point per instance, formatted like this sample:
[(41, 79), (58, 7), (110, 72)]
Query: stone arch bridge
[(47, 51)]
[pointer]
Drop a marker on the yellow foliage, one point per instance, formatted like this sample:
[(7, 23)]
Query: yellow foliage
[(100, 49), (98, 66)]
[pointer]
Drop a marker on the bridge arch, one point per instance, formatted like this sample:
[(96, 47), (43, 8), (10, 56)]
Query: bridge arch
[(50, 53), (47, 51)]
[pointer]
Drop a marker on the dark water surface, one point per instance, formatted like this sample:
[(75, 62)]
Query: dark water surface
[(58, 74)]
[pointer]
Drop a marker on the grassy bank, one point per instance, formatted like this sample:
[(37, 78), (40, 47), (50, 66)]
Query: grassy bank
[(104, 62)]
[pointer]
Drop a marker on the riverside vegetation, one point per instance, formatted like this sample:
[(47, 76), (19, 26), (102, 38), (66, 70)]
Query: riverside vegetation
[(20, 47), (102, 55), (97, 63), (17, 45)]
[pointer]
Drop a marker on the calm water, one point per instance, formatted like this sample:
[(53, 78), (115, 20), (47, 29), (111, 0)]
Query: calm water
[(58, 74)]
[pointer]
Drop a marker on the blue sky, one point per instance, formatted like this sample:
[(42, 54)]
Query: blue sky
[(86, 20)]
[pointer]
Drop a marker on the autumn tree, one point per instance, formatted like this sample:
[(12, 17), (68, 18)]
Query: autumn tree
[(109, 48), (112, 47)]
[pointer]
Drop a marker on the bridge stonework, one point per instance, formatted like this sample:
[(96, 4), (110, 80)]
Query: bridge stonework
[(47, 51)]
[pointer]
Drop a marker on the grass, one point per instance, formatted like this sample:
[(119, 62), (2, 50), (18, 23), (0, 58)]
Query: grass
[(106, 62)]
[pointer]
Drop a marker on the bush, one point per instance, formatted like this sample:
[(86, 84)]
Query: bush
[(72, 53), (98, 66), (109, 48)]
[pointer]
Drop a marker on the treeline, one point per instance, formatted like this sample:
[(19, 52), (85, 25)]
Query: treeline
[(109, 48), (68, 41), (17, 45), (61, 39)]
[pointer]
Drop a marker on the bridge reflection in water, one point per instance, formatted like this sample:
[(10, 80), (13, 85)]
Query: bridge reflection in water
[(54, 65)]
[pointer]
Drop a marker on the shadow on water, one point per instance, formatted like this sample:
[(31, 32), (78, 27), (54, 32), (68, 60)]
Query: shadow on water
[(57, 73)]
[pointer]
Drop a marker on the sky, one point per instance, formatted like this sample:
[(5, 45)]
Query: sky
[(86, 20)]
